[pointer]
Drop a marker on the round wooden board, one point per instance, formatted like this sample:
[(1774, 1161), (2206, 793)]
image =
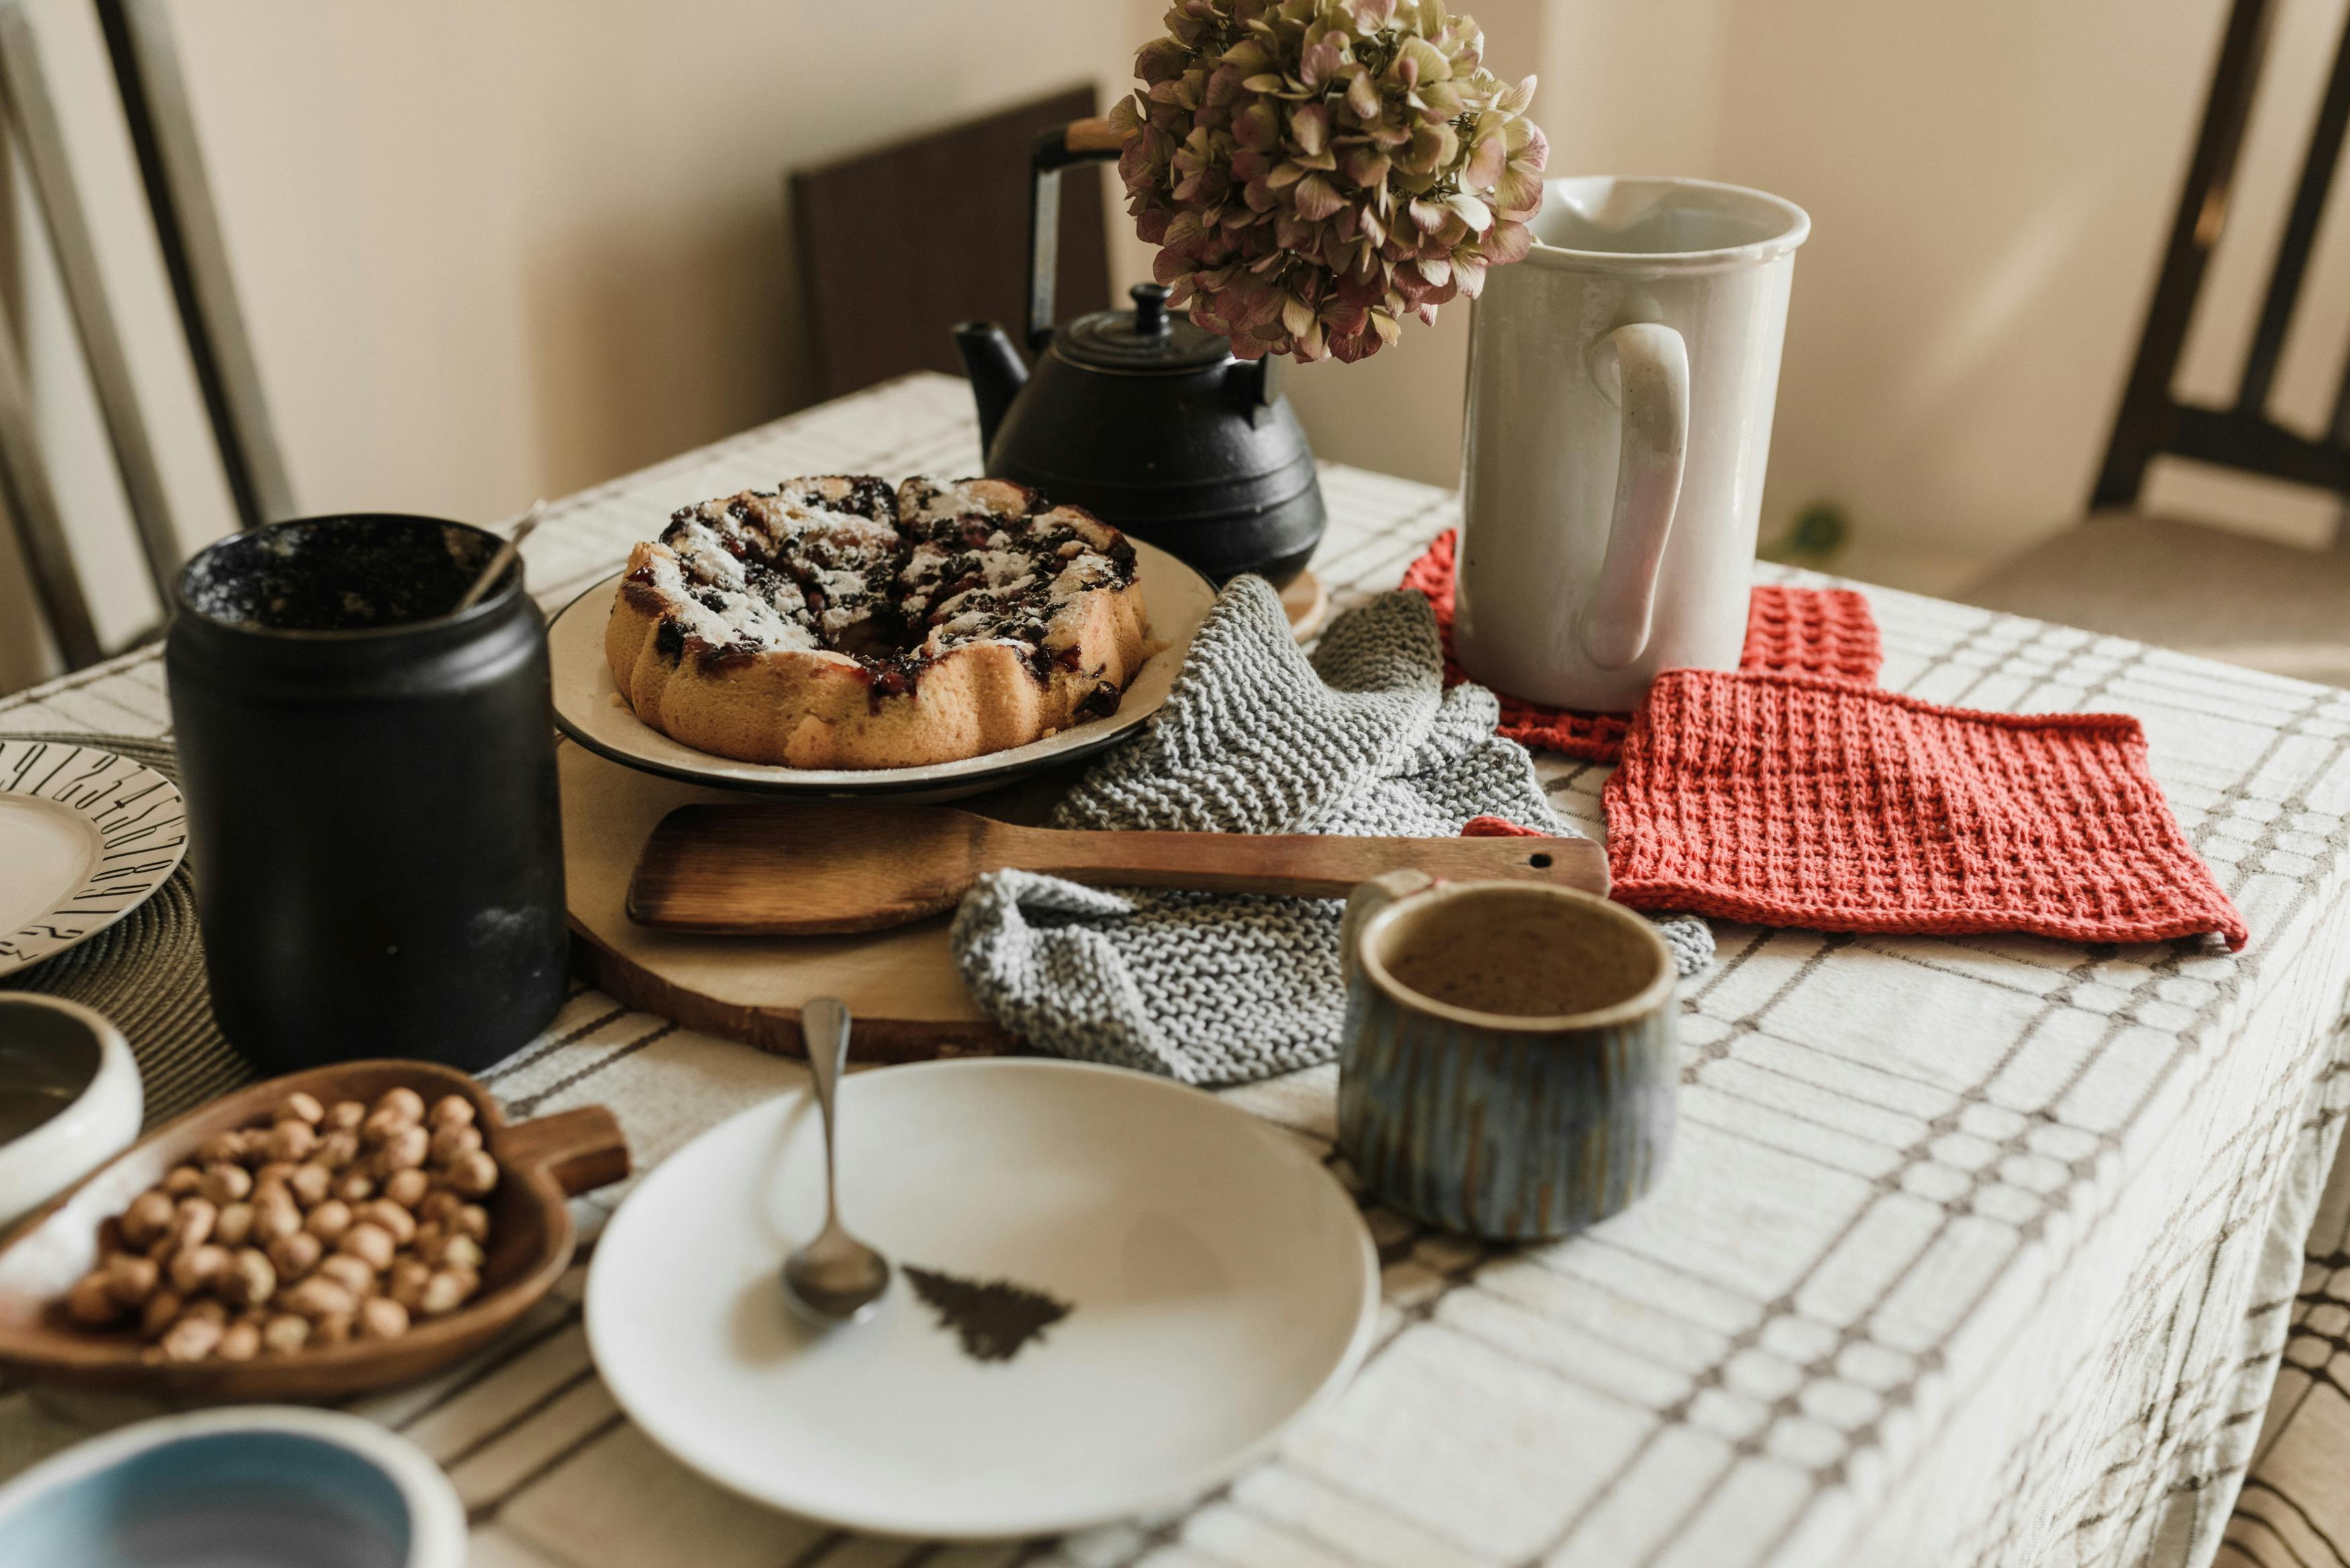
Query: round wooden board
[(900, 985)]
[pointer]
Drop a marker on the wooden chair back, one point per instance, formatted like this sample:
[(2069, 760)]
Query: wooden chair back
[(897, 245), (2153, 420)]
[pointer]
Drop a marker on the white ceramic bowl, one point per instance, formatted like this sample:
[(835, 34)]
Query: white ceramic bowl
[(60, 1052), (263, 1487)]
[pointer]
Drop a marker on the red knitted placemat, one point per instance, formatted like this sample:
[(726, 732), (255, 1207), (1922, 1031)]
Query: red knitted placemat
[(1824, 631), (1794, 800)]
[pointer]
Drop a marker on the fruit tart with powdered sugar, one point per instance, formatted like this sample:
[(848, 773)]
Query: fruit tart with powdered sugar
[(837, 623)]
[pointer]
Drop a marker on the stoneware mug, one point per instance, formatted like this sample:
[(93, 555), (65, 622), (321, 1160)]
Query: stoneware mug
[(1621, 380), (1508, 1065)]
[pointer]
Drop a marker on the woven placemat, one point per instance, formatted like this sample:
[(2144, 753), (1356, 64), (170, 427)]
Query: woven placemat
[(146, 974)]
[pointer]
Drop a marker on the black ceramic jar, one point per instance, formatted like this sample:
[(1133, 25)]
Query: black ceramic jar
[(370, 782)]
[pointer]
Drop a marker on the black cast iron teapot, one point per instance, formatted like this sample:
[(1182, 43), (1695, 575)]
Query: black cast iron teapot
[(1140, 417)]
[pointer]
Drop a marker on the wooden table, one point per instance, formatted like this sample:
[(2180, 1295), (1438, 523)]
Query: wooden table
[(1973, 1251)]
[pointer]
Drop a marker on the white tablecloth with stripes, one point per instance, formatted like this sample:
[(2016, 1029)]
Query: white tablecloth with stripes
[(1973, 1251)]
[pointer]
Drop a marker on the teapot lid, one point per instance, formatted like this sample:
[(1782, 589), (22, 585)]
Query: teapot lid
[(1142, 339)]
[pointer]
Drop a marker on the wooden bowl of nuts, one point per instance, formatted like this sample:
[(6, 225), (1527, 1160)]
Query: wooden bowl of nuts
[(335, 1230)]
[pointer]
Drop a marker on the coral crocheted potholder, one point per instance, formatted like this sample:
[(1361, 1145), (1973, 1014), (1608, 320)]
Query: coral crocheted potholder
[(1793, 799), (1824, 631)]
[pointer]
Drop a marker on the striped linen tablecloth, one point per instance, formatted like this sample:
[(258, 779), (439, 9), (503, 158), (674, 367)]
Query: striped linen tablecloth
[(1973, 1251)]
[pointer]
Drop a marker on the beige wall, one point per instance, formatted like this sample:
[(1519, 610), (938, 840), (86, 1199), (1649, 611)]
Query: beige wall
[(498, 250), (1990, 184)]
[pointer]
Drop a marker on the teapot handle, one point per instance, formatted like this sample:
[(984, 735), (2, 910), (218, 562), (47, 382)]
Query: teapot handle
[(1079, 141)]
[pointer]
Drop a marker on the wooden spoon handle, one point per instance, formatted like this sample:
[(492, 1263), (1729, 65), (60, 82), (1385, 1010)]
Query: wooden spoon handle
[(580, 1149), (1308, 866)]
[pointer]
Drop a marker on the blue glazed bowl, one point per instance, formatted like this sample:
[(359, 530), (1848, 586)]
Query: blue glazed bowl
[(265, 1487)]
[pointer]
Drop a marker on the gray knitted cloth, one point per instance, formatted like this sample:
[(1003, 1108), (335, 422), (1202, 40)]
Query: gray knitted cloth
[(1254, 738)]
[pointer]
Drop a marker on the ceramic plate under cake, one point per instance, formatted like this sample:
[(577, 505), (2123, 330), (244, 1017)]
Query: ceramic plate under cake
[(589, 709), (86, 835), (1109, 1293)]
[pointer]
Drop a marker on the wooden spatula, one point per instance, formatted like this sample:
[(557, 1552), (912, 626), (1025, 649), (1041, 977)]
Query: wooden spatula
[(808, 870)]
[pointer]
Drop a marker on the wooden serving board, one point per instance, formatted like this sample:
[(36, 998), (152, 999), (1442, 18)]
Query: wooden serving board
[(909, 1003)]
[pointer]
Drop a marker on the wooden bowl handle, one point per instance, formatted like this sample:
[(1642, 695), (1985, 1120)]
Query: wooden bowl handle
[(582, 1150)]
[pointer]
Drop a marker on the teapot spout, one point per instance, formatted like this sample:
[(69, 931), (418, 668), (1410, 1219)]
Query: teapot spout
[(996, 373)]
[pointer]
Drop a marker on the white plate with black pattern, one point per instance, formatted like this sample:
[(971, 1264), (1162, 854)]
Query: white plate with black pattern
[(1109, 1293), (589, 709), (86, 836)]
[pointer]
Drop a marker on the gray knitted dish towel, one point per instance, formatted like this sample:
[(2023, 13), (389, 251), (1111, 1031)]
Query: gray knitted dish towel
[(1211, 988)]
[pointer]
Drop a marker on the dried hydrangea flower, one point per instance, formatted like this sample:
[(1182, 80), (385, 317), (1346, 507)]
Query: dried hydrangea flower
[(1313, 171)]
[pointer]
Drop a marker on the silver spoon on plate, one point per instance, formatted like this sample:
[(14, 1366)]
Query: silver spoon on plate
[(835, 1278)]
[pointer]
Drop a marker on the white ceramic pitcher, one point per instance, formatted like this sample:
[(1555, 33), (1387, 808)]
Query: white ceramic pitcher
[(1621, 380)]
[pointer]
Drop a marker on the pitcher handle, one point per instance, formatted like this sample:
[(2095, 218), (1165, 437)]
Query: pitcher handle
[(1643, 369), (1092, 140)]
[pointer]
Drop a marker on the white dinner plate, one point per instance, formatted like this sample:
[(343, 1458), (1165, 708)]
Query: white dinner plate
[(1214, 1283), (86, 835), (589, 709)]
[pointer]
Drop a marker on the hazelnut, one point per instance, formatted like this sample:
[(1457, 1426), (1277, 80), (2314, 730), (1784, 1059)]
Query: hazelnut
[(438, 1206), (354, 1187), (382, 1125), (276, 1173), (148, 1217), (408, 1187), (131, 1279), (473, 1220), (460, 1252), (446, 1292), (250, 1279), (448, 1143), (354, 1274), (293, 1256), (369, 1243), (273, 1220), (405, 1104), (329, 1220), (227, 1183), (220, 1148), (310, 1183), (192, 1226), (383, 1211), (192, 1338), (406, 1150), (452, 1111), (299, 1106), (475, 1175), (346, 1116), (380, 1317), (317, 1298), (292, 1141), (162, 1312), (197, 1267), (239, 1342), (285, 1333), (235, 1224), (183, 1179), (91, 1303), (337, 1149), (405, 1283)]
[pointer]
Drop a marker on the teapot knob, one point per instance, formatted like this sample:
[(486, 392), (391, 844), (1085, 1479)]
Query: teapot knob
[(1149, 309)]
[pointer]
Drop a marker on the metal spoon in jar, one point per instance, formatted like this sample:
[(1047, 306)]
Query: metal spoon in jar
[(835, 1278), (502, 558)]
